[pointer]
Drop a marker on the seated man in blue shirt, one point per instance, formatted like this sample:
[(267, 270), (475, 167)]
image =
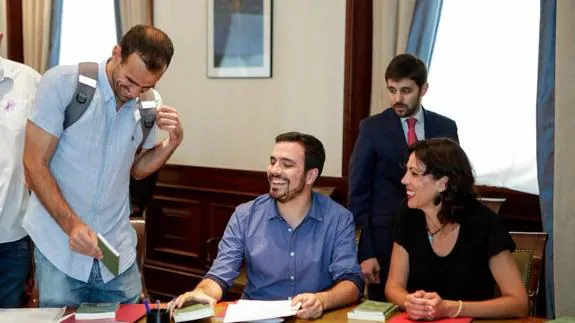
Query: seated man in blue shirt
[(297, 244)]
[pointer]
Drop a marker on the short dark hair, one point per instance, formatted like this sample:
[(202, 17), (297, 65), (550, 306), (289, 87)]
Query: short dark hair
[(314, 151), (407, 66), (444, 157), (153, 46)]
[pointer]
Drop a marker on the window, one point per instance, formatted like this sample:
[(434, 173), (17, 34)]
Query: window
[(88, 31), (483, 74)]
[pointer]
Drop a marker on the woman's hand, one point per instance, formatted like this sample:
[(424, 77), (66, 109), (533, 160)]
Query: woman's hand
[(439, 308), (416, 305)]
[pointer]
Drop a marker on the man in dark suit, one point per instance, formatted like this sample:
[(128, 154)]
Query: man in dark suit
[(377, 164)]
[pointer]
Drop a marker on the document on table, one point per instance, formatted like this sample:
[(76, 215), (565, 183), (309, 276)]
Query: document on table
[(31, 315), (246, 310)]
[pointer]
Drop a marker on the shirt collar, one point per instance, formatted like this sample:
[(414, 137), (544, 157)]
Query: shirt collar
[(5, 71), (418, 116), (314, 212)]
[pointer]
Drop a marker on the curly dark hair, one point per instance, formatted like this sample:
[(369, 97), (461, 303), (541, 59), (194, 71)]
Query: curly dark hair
[(444, 157)]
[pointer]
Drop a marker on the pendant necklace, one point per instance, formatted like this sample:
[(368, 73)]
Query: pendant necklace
[(431, 235)]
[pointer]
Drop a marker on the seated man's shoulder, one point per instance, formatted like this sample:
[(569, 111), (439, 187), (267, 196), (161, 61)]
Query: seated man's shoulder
[(259, 203)]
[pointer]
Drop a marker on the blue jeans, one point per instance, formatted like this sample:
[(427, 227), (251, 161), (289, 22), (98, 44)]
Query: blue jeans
[(15, 260), (57, 289)]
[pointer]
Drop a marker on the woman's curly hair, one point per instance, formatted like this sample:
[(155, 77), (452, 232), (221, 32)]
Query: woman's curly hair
[(444, 157)]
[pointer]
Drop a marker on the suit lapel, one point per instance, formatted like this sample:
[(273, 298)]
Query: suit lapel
[(397, 136), (429, 125)]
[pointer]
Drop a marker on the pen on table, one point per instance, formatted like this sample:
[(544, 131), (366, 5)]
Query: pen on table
[(147, 305), (158, 305)]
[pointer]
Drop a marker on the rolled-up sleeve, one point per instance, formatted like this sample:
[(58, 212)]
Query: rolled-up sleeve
[(227, 265), (344, 264)]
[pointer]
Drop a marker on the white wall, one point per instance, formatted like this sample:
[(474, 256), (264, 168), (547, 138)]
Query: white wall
[(232, 123), (564, 220)]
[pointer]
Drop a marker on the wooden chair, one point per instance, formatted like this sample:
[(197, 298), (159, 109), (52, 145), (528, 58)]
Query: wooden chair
[(529, 251), (493, 203), (139, 225)]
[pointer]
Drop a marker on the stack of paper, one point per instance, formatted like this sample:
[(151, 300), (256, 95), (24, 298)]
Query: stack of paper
[(246, 310), (31, 315), (372, 311)]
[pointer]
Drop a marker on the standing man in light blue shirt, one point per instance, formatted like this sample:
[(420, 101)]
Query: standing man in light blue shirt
[(18, 84), (80, 175), (297, 244)]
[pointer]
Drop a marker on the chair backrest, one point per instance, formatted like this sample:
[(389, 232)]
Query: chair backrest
[(492, 202), (139, 225), (529, 251)]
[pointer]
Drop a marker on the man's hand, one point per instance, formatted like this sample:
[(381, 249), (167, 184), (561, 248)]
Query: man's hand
[(197, 295), (370, 270), (311, 306), (84, 240), (168, 120)]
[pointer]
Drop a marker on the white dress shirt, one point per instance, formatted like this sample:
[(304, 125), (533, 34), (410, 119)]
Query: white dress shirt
[(18, 84)]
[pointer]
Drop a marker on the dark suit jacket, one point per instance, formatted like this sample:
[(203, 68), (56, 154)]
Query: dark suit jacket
[(376, 167)]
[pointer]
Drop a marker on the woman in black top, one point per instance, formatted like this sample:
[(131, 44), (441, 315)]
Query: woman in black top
[(450, 250)]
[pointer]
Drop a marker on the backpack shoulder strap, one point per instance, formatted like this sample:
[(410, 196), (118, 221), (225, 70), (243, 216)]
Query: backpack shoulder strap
[(147, 108), (85, 88)]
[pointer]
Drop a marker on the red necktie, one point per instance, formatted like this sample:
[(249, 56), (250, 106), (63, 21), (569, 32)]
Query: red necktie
[(411, 135)]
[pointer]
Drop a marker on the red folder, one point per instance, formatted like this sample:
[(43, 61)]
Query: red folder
[(402, 318)]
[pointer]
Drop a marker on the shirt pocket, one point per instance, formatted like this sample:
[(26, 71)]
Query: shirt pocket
[(15, 114)]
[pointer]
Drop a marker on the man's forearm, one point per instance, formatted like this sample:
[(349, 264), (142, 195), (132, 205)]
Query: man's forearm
[(43, 184), (210, 288), (343, 293), (153, 159)]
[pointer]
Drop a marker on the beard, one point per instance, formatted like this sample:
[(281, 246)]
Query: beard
[(285, 192), (403, 110)]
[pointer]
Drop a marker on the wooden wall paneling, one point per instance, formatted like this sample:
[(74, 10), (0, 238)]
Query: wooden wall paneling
[(357, 73)]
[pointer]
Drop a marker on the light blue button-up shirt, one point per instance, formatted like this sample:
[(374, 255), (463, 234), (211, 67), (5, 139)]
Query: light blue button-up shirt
[(91, 165), (283, 262)]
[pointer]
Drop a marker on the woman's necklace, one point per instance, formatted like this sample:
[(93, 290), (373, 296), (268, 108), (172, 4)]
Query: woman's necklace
[(431, 235)]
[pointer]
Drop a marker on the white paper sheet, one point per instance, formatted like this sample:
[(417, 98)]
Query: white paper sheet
[(246, 310), (30, 315)]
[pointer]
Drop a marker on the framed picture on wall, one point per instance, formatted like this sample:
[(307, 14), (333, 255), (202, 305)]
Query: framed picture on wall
[(239, 38)]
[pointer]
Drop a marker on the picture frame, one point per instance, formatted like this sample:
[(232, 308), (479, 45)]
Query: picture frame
[(239, 39)]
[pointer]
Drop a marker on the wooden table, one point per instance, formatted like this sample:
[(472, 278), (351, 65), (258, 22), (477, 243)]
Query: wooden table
[(340, 315)]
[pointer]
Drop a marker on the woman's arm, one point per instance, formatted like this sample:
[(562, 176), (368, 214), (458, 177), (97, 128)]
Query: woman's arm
[(511, 303), (395, 287), (513, 300)]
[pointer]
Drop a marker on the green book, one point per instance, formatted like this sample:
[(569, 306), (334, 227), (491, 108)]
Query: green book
[(372, 311), (97, 311), (111, 256), (193, 312)]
